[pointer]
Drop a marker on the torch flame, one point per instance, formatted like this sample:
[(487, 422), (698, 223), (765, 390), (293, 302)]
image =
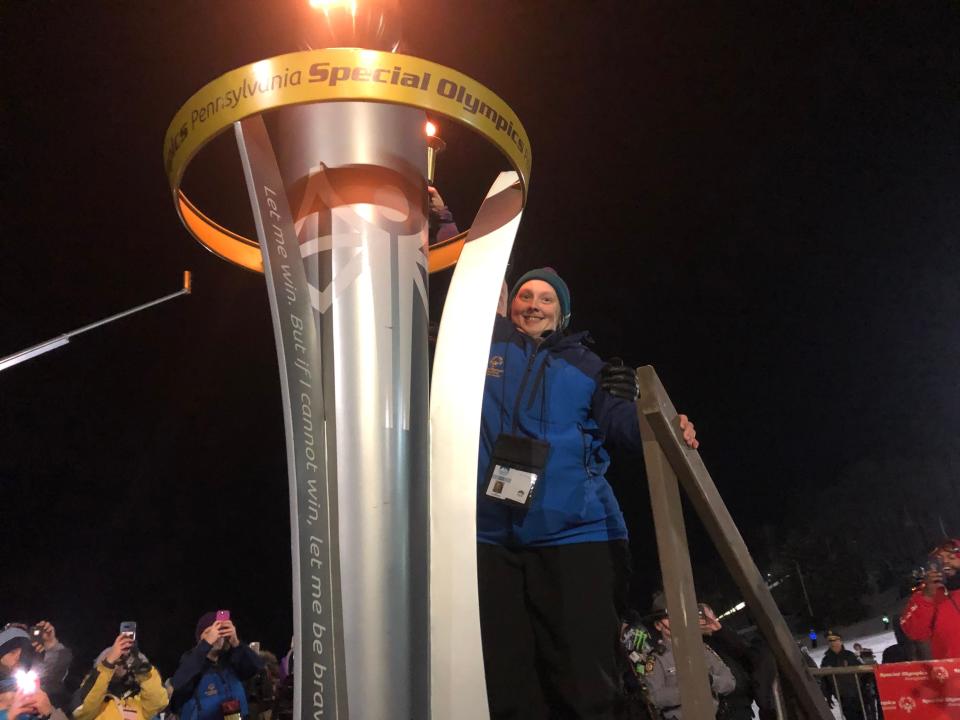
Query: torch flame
[(430, 129), (330, 4), (369, 24)]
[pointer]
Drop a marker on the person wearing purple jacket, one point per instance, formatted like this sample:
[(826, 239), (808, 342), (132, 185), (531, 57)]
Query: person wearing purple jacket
[(440, 220)]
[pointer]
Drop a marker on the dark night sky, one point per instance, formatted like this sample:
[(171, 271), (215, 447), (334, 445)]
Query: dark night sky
[(760, 199)]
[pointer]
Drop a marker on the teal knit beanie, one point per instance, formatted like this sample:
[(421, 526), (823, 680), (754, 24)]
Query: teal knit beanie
[(548, 275)]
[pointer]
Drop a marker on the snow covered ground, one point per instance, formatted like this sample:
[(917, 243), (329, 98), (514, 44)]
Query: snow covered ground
[(878, 642)]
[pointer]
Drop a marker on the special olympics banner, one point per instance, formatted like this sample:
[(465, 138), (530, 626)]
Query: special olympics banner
[(923, 690), (320, 687)]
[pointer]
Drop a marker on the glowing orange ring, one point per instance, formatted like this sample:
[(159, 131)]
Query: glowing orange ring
[(324, 76)]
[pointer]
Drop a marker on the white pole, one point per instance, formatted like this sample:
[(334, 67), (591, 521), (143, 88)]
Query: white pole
[(60, 340)]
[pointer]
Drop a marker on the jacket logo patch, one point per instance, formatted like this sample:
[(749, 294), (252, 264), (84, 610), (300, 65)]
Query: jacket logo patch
[(211, 690), (495, 367)]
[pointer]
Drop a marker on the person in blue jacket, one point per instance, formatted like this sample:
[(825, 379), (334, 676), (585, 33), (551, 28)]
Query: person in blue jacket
[(552, 554), (208, 684)]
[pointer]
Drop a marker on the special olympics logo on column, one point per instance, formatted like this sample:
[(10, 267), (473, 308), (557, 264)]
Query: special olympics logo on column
[(940, 673), (907, 704), (365, 201)]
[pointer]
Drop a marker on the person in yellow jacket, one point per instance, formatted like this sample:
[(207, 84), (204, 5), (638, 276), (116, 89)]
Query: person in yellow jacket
[(123, 685)]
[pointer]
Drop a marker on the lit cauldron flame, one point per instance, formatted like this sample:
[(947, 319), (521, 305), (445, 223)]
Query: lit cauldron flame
[(370, 24)]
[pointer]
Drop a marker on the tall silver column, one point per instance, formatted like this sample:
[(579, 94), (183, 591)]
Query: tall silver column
[(354, 178)]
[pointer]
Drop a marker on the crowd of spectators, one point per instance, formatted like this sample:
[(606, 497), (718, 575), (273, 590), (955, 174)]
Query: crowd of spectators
[(219, 678), (548, 526), (741, 674), (222, 678)]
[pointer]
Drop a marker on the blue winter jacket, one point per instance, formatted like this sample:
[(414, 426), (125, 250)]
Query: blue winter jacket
[(551, 392), (201, 686)]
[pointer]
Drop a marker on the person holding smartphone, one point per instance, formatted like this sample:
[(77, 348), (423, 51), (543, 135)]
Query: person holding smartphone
[(933, 612), (208, 684), (50, 659), (16, 653), (55, 659), (25, 704), (122, 685), (21, 697)]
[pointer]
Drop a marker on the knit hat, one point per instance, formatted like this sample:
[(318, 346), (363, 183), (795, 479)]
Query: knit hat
[(548, 275), (12, 638), (205, 621), (948, 545)]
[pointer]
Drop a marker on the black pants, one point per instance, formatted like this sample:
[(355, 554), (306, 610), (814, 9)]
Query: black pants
[(550, 623), (851, 708)]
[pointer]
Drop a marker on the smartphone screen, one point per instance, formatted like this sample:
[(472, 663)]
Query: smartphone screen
[(26, 682), (129, 628), (223, 615)]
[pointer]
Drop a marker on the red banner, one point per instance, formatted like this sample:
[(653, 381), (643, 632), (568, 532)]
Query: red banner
[(925, 690)]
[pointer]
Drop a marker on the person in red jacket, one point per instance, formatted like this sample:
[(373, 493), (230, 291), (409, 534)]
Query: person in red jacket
[(933, 612)]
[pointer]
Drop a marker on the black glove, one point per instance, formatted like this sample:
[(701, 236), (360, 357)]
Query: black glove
[(619, 381)]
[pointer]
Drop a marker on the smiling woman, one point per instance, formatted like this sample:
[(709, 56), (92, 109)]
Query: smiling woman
[(540, 303), (548, 524), (773, 217)]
